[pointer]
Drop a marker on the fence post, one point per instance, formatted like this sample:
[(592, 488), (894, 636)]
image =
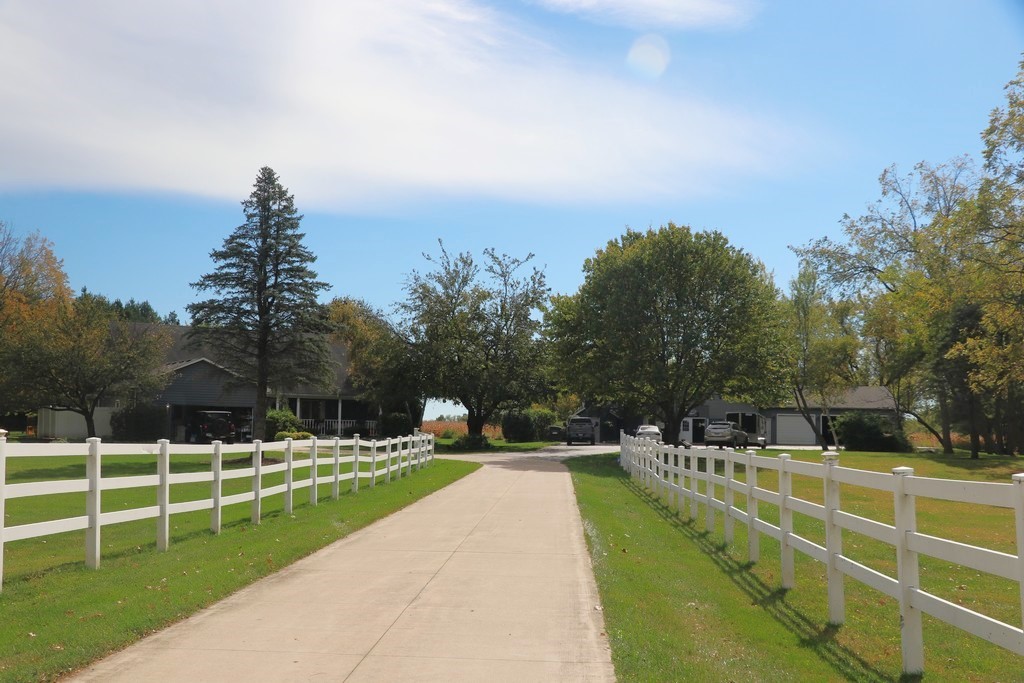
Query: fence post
[(163, 496), (786, 523), (833, 542), (692, 469), (288, 476), (416, 439), (911, 636), (355, 464), (336, 468), (408, 459), (709, 492), (92, 504), (387, 451), (753, 535), (398, 442), (665, 455), (3, 482), (730, 470), (1018, 497), (313, 472), (216, 512), (373, 463), (257, 480)]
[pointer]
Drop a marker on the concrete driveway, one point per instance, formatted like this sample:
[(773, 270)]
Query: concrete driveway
[(488, 579)]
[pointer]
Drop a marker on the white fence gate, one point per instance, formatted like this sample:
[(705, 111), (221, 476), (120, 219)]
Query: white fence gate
[(675, 472)]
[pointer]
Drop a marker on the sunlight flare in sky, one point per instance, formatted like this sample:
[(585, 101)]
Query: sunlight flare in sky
[(649, 56)]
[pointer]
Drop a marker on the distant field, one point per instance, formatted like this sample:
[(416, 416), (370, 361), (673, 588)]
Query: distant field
[(453, 429)]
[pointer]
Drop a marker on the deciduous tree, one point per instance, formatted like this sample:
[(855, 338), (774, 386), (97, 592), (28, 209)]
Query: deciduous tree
[(83, 355), (381, 360), (475, 334), (667, 318)]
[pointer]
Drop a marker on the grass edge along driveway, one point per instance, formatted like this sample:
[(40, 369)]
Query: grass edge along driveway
[(60, 619), (681, 605)]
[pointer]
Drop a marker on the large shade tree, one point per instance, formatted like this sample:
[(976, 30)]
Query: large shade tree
[(475, 332), (665, 319), (264, 321)]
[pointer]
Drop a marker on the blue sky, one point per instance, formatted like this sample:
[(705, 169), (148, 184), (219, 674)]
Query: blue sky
[(130, 132)]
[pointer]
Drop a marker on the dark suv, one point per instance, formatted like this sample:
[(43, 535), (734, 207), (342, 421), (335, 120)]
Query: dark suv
[(213, 425)]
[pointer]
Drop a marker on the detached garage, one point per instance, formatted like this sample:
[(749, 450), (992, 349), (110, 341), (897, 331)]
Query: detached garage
[(793, 430), (790, 428)]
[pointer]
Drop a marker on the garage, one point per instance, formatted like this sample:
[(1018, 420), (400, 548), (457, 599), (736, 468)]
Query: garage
[(793, 430)]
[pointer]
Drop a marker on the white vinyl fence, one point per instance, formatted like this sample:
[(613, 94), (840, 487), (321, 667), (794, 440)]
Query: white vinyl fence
[(683, 475), (396, 457)]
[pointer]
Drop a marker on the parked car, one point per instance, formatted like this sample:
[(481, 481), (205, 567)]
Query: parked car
[(213, 425), (648, 432), (580, 429), (724, 434)]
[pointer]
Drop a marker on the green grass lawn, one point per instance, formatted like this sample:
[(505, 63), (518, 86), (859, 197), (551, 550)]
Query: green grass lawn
[(56, 615), (681, 604)]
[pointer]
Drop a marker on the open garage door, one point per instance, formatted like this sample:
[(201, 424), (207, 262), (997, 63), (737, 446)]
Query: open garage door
[(793, 430)]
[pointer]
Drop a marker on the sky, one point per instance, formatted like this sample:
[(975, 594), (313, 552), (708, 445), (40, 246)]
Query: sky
[(131, 131)]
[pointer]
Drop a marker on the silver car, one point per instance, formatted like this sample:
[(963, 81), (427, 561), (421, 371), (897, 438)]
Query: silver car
[(648, 432), (724, 434)]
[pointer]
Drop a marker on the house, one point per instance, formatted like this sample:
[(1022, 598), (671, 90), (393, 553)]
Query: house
[(785, 425), (199, 383)]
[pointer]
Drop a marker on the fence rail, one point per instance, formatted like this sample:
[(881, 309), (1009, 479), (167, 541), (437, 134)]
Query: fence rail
[(675, 472), (395, 457)]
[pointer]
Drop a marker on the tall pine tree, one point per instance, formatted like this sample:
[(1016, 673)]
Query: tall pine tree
[(265, 322)]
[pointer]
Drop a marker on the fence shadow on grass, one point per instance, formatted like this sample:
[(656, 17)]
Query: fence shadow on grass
[(813, 635)]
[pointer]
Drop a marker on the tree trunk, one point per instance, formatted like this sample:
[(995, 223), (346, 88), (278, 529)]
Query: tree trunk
[(672, 418), (924, 423), (90, 423), (475, 422), (973, 416), (946, 419), (801, 404)]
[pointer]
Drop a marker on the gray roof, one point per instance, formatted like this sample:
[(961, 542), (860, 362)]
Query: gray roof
[(182, 353), (857, 398)]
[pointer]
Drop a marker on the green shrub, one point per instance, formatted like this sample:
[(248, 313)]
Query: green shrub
[(139, 423), (282, 420), (394, 424), (448, 434), (860, 431), (471, 443), (527, 425), (294, 436), (517, 426)]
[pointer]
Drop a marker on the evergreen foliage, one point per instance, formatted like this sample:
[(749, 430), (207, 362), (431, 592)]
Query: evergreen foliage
[(264, 320)]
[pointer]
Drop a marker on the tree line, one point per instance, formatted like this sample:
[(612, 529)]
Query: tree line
[(922, 294)]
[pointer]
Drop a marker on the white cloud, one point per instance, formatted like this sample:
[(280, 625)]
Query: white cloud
[(658, 13), (354, 104)]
